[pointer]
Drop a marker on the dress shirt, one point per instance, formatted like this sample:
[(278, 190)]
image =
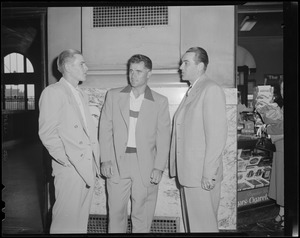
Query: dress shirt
[(135, 106)]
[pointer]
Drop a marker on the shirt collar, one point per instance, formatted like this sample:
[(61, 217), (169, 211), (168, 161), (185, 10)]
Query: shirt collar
[(198, 79), (148, 94), (71, 86), (139, 97)]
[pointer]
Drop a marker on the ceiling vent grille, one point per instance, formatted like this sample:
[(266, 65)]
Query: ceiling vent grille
[(130, 16)]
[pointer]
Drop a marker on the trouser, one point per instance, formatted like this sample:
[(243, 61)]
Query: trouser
[(143, 199), (70, 213), (200, 208)]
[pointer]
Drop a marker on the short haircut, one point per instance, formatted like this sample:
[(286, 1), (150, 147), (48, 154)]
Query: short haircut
[(140, 58), (64, 57), (200, 55)]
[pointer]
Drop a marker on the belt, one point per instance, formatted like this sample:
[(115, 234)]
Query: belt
[(130, 150)]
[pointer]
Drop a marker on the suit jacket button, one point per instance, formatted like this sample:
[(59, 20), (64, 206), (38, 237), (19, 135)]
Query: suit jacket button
[(81, 155), (76, 126), (80, 142)]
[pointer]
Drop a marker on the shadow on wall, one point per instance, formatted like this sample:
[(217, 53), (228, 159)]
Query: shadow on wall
[(55, 73)]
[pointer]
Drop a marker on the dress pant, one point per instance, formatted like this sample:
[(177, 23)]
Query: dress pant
[(200, 208), (143, 199), (70, 213)]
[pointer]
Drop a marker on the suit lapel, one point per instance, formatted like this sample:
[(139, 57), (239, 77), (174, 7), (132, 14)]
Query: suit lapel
[(73, 102), (195, 90), (146, 112), (124, 104), (86, 112)]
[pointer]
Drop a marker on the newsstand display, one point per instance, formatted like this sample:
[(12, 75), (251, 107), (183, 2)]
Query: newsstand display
[(254, 165)]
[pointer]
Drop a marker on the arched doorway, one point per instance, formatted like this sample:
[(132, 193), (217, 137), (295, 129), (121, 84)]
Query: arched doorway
[(23, 50)]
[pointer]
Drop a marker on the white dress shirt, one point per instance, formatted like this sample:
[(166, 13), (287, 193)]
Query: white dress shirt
[(135, 106)]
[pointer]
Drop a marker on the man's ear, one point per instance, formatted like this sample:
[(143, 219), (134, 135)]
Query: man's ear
[(201, 66), (67, 66), (149, 73)]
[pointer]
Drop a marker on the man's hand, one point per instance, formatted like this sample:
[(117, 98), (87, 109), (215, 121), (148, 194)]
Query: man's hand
[(207, 184), (106, 169), (156, 176)]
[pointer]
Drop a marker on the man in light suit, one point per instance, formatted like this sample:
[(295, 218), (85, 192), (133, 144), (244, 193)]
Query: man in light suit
[(134, 142), (69, 133), (198, 139)]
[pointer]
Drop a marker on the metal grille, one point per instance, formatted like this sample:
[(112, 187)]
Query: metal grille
[(130, 16), (98, 224)]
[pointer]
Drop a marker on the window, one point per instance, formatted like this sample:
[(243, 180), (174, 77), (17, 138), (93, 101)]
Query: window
[(15, 63), (19, 93)]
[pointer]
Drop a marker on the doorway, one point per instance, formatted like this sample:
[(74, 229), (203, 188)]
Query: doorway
[(23, 76)]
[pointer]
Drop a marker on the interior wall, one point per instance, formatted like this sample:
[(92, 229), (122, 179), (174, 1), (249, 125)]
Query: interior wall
[(64, 32), (268, 55), (109, 48), (210, 27)]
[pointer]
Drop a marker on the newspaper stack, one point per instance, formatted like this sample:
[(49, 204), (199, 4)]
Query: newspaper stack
[(264, 97), (264, 103)]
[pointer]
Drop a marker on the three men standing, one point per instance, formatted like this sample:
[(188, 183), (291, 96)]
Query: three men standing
[(134, 138)]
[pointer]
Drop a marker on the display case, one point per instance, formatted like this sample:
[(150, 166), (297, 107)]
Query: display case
[(254, 172)]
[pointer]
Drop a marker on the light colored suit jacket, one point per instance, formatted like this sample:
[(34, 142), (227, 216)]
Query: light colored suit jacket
[(152, 131), (199, 134), (64, 134)]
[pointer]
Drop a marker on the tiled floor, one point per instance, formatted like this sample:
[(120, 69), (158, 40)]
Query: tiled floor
[(23, 176)]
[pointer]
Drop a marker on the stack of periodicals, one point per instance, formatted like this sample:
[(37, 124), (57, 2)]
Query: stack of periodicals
[(254, 170), (264, 98)]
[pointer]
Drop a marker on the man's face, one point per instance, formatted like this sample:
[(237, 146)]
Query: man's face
[(189, 69), (138, 74), (78, 68)]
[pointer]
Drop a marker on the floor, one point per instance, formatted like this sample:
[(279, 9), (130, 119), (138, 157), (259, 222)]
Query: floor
[(259, 221), (24, 177)]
